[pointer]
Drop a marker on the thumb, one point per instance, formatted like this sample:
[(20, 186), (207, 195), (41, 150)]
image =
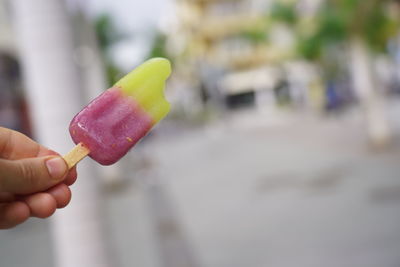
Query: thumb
[(31, 175)]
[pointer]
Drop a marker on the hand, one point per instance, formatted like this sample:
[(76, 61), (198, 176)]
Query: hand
[(34, 181)]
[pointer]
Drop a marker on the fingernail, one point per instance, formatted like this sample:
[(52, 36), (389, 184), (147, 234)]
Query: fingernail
[(56, 167)]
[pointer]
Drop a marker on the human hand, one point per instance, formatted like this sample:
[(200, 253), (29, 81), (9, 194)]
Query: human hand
[(34, 181)]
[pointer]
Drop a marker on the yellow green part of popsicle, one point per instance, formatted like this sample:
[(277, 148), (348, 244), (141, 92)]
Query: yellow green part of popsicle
[(146, 85)]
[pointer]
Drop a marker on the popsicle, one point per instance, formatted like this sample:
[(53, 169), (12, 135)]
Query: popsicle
[(110, 125)]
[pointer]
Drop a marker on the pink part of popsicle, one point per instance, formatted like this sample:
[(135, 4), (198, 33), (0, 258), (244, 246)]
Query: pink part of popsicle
[(110, 125)]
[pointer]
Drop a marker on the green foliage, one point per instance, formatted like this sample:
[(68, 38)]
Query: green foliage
[(106, 31), (379, 28), (158, 47), (255, 35), (310, 48), (332, 26), (284, 12), (107, 36), (339, 20), (331, 29), (113, 73)]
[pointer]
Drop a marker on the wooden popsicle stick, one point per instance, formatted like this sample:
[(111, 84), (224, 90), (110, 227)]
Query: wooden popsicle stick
[(76, 155)]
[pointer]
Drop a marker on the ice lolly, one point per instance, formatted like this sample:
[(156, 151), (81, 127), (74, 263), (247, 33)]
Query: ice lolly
[(109, 126)]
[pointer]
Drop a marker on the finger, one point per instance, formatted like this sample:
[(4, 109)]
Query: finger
[(31, 175), (72, 174), (6, 197), (41, 205), (62, 194), (71, 177), (15, 145), (44, 151), (13, 213)]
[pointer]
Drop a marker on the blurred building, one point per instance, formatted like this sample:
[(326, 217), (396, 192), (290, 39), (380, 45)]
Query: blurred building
[(13, 109), (233, 53)]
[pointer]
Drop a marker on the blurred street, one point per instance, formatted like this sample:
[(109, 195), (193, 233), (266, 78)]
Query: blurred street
[(298, 190)]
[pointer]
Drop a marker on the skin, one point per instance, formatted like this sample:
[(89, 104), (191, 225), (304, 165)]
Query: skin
[(27, 189)]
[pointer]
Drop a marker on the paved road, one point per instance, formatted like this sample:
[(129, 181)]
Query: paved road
[(297, 193), (252, 191)]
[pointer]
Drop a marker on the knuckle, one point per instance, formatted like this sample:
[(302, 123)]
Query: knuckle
[(29, 174)]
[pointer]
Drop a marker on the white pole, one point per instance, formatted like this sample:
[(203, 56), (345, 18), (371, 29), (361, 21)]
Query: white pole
[(371, 100), (53, 90)]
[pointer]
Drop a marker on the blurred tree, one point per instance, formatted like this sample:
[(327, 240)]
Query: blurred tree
[(158, 46), (108, 35), (107, 32), (357, 29), (255, 36), (343, 20), (283, 11)]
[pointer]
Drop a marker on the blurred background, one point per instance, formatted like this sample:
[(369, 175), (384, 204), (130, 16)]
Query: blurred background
[(282, 147)]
